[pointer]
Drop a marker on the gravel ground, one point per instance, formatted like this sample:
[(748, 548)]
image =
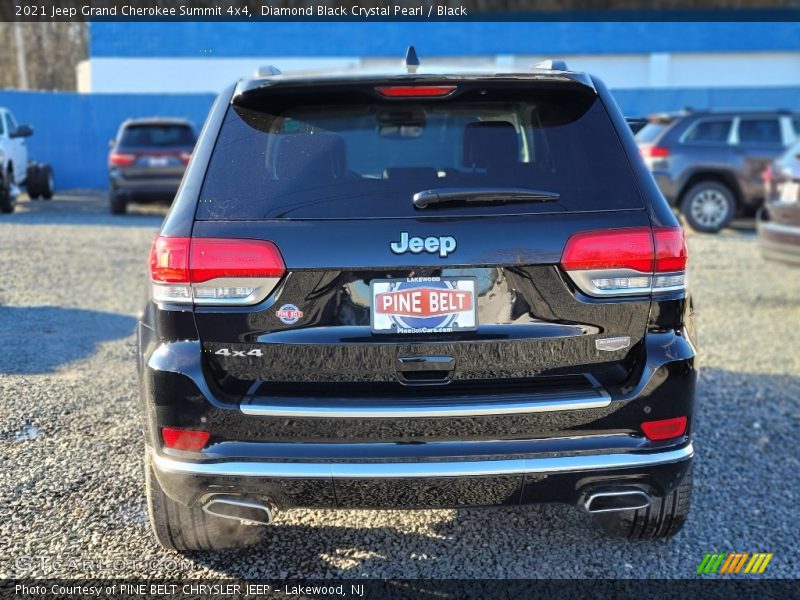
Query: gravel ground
[(71, 482)]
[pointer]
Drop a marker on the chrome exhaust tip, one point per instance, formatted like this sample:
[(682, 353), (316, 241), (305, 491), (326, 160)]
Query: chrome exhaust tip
[(248, 512), (614, 500)]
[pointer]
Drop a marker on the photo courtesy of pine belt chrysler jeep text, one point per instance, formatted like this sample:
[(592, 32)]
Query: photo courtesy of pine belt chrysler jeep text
[(416, 289)]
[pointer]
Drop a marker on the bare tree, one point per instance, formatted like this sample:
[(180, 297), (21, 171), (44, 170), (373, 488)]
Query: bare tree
[(52, 52)]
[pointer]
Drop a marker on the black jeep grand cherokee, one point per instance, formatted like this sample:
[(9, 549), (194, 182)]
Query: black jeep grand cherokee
[(416, 290)]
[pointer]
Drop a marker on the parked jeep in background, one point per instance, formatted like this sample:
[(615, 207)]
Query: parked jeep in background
[(711, 164), (15, 169)]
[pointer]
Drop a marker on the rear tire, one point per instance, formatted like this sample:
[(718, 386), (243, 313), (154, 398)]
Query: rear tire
[(6, 198), (117, 203), (662, 519), (708, 206), (32, 182), (46, 183), (188, 530)]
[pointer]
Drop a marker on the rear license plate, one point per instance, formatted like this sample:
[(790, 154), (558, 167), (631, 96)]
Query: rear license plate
[(790, 191), (158, 161), (423, 305)]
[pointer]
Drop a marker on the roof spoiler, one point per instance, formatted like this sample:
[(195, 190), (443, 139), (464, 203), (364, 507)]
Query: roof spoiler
[(266, 71), (551, 64)]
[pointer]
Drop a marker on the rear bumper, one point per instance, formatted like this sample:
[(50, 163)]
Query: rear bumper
[(146, 189), (779, 241), (423, 483)]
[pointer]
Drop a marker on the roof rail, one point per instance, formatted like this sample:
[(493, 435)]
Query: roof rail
[(267, 70), (552, 65)]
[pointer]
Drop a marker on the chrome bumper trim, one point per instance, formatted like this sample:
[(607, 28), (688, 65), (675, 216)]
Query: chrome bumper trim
[(516, 406), (393, 470)]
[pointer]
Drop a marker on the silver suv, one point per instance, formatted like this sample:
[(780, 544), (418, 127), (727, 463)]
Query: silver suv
[(710, 164)]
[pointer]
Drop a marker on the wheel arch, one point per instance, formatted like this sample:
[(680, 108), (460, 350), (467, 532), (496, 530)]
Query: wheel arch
[(727, 178)]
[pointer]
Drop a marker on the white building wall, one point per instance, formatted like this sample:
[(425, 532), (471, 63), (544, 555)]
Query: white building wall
[(620, 71)]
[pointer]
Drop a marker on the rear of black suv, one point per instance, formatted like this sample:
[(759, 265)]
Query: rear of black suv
[(416, 291)]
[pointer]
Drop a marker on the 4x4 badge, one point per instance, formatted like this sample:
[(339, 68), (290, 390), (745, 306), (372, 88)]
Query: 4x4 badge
[(444, 244)]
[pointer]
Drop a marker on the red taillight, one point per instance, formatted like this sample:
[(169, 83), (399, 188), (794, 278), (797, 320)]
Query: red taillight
[(121, 159), (214, 258), (169, 259), (670, 249), (184, 439), (185, 157), (611, 249), (767, 174), (665, 429), (415, 91), (626, 261), (655, 152), (241, 271)]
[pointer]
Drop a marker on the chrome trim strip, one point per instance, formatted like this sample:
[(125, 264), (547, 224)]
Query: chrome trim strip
[(209, 505), (393, 470), (598, 399), (587, 504)]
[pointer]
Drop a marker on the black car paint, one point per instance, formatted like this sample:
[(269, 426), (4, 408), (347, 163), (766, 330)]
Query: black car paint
[(653, 379)]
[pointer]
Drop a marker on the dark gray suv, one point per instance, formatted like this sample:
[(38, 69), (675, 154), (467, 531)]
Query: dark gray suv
[(710, 164), (147, 160)]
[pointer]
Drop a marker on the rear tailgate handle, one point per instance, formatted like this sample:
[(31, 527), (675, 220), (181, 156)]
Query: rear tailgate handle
[(425, 370), (426, 363)]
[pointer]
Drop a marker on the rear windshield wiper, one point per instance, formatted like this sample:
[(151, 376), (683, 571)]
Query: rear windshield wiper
[(426, 198)]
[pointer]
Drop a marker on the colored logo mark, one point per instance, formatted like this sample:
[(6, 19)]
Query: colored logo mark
[(289, 314), (734, 562)]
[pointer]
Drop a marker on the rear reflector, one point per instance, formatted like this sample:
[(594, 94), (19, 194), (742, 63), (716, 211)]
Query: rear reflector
[(213, 270), (665, 429), (626, 261), (415, 91), (121, 159), (184, 439)]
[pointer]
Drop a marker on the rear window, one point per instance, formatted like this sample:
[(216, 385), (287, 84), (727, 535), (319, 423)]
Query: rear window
[(159, 136), (649, 133), (308, 161)]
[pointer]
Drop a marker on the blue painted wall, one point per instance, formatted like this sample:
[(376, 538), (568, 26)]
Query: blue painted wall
[(72, 130), (253, 39)]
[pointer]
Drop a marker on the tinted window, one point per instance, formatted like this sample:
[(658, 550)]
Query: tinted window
[(11, 123), (760, 131), (368, 160), (796, 126), (649, 133), (157, 135), (708, 130)]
